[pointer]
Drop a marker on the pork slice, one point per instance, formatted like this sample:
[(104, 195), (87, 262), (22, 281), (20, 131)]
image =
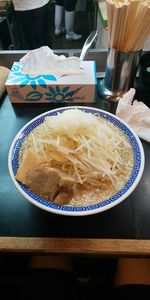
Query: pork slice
[(41, 179), (45, 182), (24, 172)]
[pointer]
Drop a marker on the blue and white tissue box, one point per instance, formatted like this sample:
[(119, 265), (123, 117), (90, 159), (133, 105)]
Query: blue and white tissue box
[(76, 88)]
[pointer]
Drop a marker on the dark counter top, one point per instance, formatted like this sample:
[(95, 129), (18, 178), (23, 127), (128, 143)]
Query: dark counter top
[(19, 218), (122, 230)]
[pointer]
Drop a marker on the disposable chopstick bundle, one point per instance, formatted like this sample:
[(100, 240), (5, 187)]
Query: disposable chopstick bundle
[(128, 24), (142, 27)]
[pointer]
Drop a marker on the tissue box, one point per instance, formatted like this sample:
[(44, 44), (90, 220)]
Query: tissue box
[(74, 88)]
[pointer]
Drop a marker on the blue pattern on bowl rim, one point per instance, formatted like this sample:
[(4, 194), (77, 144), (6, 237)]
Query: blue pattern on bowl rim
[(90, 209)]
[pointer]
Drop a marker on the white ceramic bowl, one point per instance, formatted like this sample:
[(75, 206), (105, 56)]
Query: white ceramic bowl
[(131, 184)]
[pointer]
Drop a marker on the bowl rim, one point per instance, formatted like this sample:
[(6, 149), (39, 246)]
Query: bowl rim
[(58, 209)]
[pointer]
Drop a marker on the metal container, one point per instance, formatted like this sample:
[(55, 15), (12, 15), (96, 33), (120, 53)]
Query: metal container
[(120, 72)]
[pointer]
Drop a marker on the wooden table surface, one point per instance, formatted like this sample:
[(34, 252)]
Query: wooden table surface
[(76, 246)]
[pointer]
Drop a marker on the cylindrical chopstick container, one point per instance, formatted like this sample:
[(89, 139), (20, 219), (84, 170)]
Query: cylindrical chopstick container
[(120, 72)]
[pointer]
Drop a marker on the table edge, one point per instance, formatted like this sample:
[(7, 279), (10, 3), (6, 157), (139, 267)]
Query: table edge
[(75, 246)]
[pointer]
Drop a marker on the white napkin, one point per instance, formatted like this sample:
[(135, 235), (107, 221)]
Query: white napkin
[(136, 114), (43, 61)]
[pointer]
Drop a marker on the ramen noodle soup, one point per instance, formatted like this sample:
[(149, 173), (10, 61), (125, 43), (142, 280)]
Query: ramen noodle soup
[(75, 158)]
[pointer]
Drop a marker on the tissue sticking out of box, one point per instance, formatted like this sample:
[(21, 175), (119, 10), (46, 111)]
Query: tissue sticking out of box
[(44, 61)]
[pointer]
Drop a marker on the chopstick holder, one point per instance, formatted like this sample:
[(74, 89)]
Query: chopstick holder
[(136, 114)]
